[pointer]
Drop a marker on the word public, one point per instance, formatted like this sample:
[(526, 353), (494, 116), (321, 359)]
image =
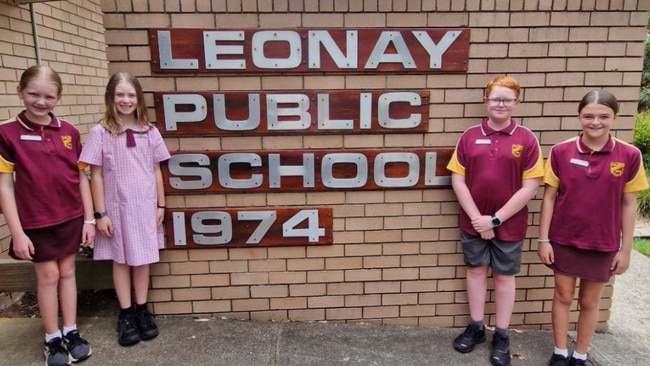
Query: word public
[(306, 112)]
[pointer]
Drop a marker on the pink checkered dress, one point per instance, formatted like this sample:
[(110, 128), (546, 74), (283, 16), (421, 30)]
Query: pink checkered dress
[(129, 193)]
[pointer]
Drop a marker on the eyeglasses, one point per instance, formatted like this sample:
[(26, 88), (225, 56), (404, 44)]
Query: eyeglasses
[(506, 102)]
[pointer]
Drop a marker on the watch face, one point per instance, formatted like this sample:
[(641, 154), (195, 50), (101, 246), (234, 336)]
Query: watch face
[(496, 221)]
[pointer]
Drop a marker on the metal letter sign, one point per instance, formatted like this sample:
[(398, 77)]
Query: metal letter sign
[(307, 170), (308, 112), (309, 51)]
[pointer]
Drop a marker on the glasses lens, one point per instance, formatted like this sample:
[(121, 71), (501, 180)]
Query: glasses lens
[(505, 102)]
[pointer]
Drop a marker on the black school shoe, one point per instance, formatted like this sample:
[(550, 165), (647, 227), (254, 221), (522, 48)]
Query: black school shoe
[(575, 362), (145, 324), (78, 348), (558, 360), (500, 350), (471, 336), (127, 331)]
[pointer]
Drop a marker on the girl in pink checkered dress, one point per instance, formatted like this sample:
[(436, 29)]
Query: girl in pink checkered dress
[(124, 151)]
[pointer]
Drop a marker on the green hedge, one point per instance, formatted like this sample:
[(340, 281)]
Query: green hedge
[(642, 141)]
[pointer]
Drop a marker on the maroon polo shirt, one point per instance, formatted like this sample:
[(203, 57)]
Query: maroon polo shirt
[(587, 212), (45, 162), (494, 164)]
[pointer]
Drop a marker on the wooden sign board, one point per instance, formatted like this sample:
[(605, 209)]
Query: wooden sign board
[(306, 170), (247, 227), (284, 112), (335, 50)]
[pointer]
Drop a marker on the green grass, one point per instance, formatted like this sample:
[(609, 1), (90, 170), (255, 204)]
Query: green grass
[(642, 246)]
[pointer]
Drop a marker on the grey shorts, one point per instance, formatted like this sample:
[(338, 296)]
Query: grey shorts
[(503, 256)]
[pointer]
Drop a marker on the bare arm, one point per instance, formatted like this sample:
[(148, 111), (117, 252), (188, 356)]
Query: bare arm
[(22, 245), (160, 192), (621, 261), (88, 233), (544, 250), (104, 225), (517, 202), (469, 206)]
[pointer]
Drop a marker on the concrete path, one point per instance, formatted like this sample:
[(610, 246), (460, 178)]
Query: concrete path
[(626, 342), (198, 342)]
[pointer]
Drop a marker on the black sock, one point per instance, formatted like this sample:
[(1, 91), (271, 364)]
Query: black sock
[(501, 332), (478, 323), (125, 312), (141, 307)]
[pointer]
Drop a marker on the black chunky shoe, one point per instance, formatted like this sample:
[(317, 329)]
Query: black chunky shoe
[(127, 331), (575, 362), (471, 336), (146, 326), (500, 350), (78, 347), (558, 360)]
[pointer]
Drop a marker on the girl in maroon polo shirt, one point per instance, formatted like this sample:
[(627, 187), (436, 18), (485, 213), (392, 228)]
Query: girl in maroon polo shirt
[(587, 219), (46, 200)]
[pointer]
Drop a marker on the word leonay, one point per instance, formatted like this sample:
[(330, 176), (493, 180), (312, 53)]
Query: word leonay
[(304, 50)]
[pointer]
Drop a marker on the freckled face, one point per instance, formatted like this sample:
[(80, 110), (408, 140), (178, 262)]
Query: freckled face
[(596, 121), (126, 99)]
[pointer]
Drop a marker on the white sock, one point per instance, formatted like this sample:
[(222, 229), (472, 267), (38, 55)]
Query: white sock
[(49, 337), (561, 352), (579, 356), (69, 329)]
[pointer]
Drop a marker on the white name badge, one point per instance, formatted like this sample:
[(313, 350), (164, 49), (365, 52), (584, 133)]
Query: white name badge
[(31, 138), (579, 162), (483, 141)]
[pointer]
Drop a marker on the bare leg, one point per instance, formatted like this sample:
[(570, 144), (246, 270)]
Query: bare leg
[(477, 291), (589, 300), (122, 282), (562, 299), (47, 283), (504, 293), (141, 283), (68, 290)]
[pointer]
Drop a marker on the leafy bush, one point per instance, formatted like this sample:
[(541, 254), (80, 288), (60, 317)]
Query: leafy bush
[(642, 136), (644, 95), (642, 141), (643, 203)]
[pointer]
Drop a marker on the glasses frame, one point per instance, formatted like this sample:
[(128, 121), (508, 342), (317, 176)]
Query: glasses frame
[(506, 102)]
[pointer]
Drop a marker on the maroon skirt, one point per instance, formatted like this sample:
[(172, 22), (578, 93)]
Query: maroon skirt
[(54, 242), (588, 264)]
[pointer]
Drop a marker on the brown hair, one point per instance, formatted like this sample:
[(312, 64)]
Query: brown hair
[(602, 97), (41, 72), (505, 81), (112, 118)]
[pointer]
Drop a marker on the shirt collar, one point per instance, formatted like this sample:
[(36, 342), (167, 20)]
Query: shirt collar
[(31, 126), (584, 149), (487, 130)]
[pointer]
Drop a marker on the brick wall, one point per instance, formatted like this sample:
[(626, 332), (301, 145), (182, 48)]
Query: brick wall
[(71, 40), (396, 257)]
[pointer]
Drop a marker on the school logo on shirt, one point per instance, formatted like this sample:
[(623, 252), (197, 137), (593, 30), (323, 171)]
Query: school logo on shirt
[(616, 168), (67, 141), (516, 150)]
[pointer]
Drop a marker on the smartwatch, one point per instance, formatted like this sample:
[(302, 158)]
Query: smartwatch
[(99, 215), (496, 221)]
